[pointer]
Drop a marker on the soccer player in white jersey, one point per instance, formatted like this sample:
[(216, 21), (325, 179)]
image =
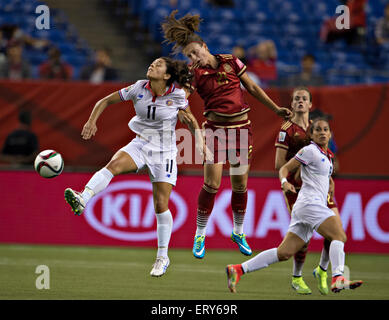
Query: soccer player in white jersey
[(309, 213), (157, 103)]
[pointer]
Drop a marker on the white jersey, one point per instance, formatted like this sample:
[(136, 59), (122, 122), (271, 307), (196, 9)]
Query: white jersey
[(316, 171), (156, 116)]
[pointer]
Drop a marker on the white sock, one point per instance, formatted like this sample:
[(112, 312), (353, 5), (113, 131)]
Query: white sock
[(261, 260), (238, 222), (324, 259), (337, 257), (164, 231), (201, 221), (99, 181)]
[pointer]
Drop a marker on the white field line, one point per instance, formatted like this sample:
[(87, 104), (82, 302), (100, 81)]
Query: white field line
[(179, 267)]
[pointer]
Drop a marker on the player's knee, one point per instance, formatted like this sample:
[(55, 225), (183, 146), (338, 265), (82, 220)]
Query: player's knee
[(340, 236), (213, 185), (240, 187), (160, 204), (343, 237), (284, 255), (115, 167)]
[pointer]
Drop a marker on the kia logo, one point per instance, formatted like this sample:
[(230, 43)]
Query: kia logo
[(125, 211)]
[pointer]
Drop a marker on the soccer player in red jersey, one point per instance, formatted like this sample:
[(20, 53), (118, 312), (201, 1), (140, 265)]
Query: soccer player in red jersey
[(293, 136), (227, 128)]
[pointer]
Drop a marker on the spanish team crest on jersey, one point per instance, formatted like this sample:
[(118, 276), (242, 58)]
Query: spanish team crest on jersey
[(227, 68), (169, 102)]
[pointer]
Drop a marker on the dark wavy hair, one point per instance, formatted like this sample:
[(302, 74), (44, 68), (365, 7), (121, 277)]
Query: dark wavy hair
[(179, 72), (181, 31)]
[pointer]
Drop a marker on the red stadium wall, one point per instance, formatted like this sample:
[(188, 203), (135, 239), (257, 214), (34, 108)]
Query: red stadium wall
[(360, 115), (33, 210)]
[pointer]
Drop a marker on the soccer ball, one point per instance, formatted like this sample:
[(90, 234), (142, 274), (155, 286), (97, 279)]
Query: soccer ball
[(48, 164)]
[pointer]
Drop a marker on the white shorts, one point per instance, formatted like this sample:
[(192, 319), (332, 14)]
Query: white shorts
[(308, 217), (162, 166)]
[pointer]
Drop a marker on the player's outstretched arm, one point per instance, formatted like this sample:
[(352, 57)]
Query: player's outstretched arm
[(90, 127), (291, 166), (261, 96)]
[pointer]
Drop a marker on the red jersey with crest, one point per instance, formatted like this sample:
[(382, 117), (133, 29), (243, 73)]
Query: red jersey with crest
[(292, 138), (220, 88)]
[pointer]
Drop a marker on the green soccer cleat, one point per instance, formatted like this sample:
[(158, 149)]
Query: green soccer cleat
[(75, 200), (300, 286), (199, 247), (321, 277)]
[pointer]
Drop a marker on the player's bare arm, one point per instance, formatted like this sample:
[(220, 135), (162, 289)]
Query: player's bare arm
[(331, 190), (90, 127), (280, 158), (183, 116), (291, 166), (190, 120), (261, 96)]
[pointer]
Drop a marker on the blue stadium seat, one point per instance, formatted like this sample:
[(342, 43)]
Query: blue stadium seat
[(294, 25), (66, 48), (35, 57), (56, 35), (74, 59)]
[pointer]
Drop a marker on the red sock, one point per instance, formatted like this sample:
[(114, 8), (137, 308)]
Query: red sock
[(300, 256), (240, 269), (205, 204), (206, 201), (239, 202)]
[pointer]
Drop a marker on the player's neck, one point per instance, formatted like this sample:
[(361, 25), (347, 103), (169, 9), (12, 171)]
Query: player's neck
[(212, 61), (324, 147), (158, 87), (301, 119)]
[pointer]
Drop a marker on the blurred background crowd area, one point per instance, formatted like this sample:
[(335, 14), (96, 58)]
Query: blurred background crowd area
[(283, 42)]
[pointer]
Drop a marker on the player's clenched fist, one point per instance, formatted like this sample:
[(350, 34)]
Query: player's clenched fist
[(288, 187)]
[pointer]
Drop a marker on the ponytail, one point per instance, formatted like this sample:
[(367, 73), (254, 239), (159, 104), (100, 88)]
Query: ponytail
[(181, 32)]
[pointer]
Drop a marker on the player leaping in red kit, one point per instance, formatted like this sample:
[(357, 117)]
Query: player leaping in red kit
[(217, 79)]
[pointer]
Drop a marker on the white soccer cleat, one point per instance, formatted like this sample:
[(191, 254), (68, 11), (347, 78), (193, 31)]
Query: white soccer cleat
[(160, 266), (75, 200)]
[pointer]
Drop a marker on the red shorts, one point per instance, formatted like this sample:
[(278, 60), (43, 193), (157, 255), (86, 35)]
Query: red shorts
[(229, 141)]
